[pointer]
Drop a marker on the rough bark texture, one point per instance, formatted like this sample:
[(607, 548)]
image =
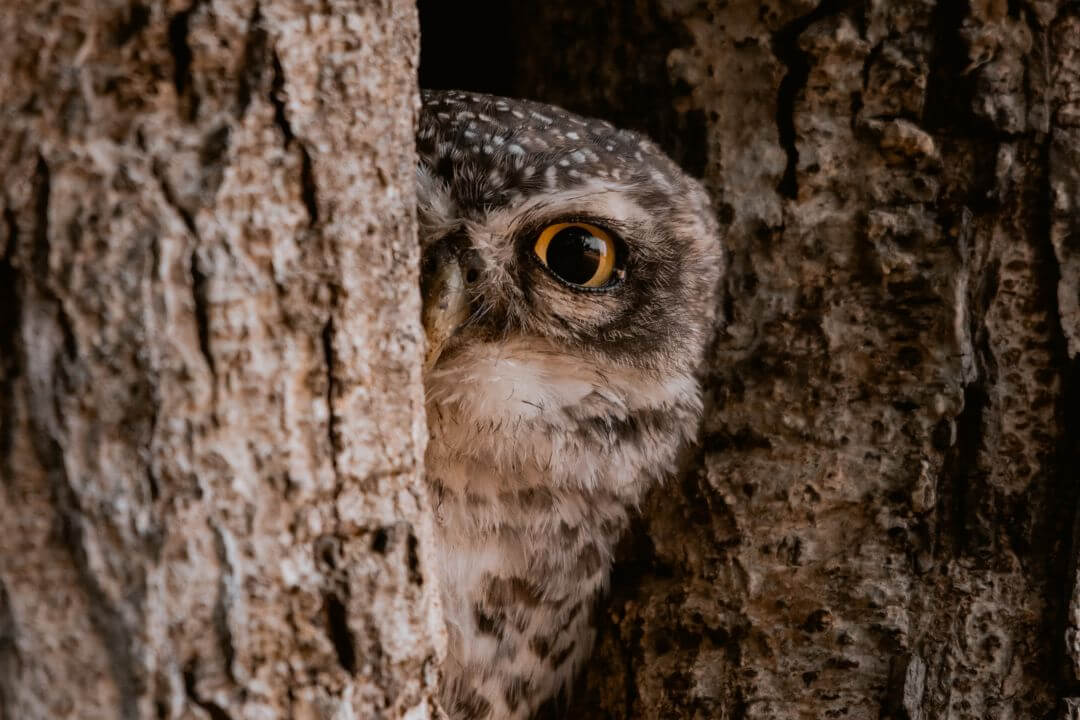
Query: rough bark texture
[(211, 430), (210, 408), (879, 522)]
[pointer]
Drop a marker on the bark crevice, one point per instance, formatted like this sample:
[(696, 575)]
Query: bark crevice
[(785, 46), (137, 20), (42, 192), (1068, 622), (215, 711), (180, 49), (160, 173), (277, 99), (327, 343), (223, 601), (339, 632), (201, 302), (10, 314), (256, 46), (106, 616), (10, 661), (1066, 562), (308, 188)]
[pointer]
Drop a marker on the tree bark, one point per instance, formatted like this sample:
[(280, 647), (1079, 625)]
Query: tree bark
[(211, 432), (879, 522), (211, 421)]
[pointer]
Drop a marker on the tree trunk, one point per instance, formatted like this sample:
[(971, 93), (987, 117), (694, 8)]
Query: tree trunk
[(211, 430), (211, 421), (879, 521)]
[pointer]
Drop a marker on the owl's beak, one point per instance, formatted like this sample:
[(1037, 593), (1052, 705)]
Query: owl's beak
[(446, 305)]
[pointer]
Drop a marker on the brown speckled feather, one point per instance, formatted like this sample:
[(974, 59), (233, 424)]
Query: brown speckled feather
[(552, 409)]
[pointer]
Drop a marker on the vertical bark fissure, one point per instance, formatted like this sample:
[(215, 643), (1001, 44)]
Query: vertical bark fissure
[(180, 48), (42, 193), (961, 460), (169, 195), (40, 255), (327, 340), (412, 557), (339, 632), (1071, 679), (9, 650), (955, 472), (107, 619), (785, 46), (1060, 535), (906, 686), (256, 42), (1070, 578), (201, 302), (948, 93), (308, 187), (222, 603), (335, 608), (277, 99), (308, 190), (1064, 127), (10, 320), (212, 709)]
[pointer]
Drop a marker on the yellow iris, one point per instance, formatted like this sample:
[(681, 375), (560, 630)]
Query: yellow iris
[(577, 253)]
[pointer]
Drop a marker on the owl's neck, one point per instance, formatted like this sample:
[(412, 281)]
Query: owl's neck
[(551, 471)]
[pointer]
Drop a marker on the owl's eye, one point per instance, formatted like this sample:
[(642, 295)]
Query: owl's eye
[(579, 253)]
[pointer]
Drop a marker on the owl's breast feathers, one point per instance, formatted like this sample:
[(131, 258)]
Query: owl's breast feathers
[(531, 492)]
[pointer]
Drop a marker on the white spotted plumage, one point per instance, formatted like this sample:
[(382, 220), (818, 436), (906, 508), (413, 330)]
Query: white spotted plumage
[(551, 410)]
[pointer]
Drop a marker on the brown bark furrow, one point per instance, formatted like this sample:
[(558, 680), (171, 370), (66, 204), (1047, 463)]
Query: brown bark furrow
[(1064, 231)]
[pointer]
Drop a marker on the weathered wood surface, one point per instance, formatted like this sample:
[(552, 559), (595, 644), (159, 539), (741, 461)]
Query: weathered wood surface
[(879, 522), (211, 423), (212, 432)]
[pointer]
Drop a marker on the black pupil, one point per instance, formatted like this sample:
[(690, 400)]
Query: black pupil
[(574, 254)]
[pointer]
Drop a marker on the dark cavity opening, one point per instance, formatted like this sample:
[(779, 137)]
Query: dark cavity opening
[(602, 59)]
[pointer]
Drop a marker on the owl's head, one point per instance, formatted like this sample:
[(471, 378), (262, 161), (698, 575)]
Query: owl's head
[(569, 272)]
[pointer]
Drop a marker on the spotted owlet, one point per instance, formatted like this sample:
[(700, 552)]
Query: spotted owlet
[(569, 272)]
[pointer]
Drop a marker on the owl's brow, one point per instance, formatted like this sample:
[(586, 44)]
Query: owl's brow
[(529, 216)]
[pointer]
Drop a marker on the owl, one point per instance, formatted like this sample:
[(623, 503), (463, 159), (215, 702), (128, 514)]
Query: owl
[(569, 271)]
